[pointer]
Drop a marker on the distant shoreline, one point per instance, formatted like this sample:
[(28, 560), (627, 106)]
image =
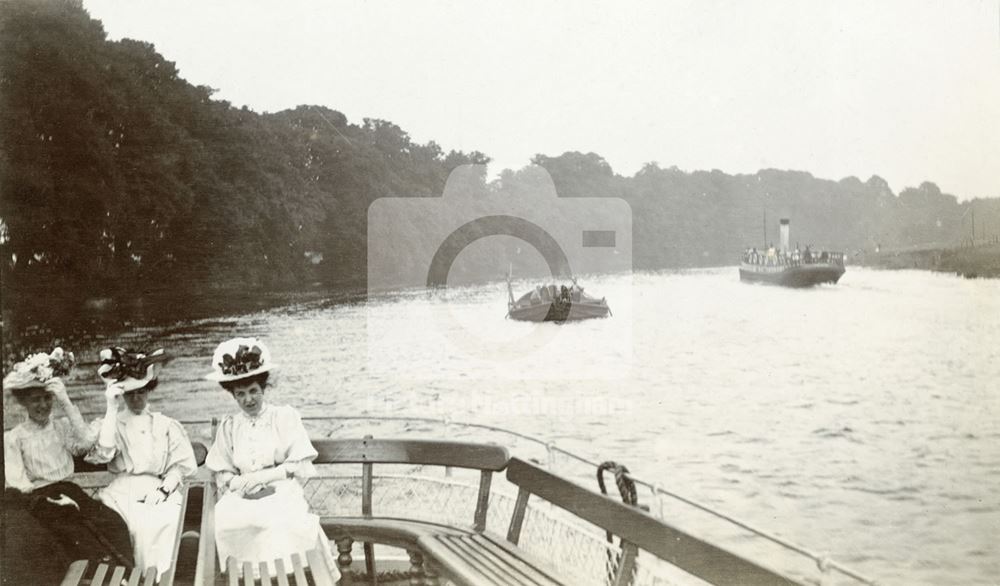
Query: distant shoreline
[(973, 262)]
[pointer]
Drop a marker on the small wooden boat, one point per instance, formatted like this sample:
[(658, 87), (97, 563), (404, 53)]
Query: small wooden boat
[(549, 303)]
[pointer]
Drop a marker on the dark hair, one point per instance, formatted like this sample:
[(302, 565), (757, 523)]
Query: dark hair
[(231, 385), (150, 386)]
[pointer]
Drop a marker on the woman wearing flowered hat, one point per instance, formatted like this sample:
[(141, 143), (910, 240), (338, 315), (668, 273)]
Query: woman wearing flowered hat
[(259, 457), (149, 453), (40, 506)]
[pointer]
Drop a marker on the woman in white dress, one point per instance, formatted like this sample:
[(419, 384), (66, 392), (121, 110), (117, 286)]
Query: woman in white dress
[(149, 453), (260, 456)]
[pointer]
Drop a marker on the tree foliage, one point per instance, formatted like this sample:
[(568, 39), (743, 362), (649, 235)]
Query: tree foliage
[(118, 175)]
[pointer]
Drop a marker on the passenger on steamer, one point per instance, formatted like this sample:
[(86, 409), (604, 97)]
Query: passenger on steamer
[(42, 511), (260, 456), (148, 452)]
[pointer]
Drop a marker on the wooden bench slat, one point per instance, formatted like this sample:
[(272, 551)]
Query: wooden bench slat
[(134, 576), (265, 575), (424, 452), (476, 558), (488, 563), (247, 574), (204, 572), (300, 574), (279, 569), (321, 573), (117, 576), (695, 556), (233, 569), (528, 562), (99, 573), (150, 576), (75, 573)]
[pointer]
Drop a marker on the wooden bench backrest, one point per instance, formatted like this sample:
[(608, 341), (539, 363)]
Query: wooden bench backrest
[(367, 452), (695, 556), (426, 452)]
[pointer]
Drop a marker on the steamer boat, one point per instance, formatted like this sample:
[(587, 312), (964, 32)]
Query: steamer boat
[(791, 268)]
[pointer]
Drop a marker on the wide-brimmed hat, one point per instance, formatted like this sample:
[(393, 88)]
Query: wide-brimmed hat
[(239, 358), (36, 370), (130, 369)]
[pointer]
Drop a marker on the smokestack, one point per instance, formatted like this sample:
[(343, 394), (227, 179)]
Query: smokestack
[(783, 231)]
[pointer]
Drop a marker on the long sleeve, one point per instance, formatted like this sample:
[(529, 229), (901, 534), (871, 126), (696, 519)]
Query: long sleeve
[(100, 453), (180, 456), (299, 451), (220, 455), (82, 436), (15, 475)]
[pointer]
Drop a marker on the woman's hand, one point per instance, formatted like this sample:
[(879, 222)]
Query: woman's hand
[(239, 484), (112, 392), (265, 476), (56, 386), (156, 496)]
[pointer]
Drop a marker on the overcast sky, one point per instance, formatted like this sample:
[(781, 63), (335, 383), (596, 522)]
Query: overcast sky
[(905, 89)]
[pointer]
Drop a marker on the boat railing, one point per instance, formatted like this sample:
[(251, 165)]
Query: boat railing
[(779, 260), (823, 563)]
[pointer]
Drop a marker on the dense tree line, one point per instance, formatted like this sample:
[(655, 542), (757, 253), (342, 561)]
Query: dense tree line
[(118, 175)]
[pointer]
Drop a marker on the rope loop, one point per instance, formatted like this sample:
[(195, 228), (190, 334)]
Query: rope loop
[(626, 487)]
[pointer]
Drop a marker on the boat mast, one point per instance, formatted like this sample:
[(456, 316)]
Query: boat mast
[(510, 290), (764, 245)]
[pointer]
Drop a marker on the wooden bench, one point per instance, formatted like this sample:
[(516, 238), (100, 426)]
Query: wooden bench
[(471, 556), (484, 560), (206, 574), (93, 476), (317, 574), (77, 573), (403, 533)]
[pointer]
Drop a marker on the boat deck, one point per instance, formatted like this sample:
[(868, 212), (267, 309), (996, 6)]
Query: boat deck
[(429, 512)]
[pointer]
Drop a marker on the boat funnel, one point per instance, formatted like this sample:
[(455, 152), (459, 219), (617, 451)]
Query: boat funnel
[(783, 231)]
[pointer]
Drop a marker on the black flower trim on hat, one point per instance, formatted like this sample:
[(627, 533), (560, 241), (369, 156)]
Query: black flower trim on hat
[(126, 363), (246, 360)]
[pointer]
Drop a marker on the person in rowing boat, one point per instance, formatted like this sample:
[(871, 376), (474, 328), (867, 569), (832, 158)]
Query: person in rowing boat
[(148, 452), (260, 456), (42, 510)]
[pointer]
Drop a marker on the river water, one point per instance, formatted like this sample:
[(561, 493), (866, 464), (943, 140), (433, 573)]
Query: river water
[(862, 419)]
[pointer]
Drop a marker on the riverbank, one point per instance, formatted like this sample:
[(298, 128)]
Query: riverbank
[(981, 261)]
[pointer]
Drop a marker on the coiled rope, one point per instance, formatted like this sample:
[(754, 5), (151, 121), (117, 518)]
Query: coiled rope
[(626, 488)]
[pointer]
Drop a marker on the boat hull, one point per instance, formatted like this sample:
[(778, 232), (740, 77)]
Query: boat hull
[(559, 312), (800, 276)]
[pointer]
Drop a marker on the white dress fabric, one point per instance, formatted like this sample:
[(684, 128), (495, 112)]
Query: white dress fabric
[(149, 447), (274, 526), (37, 455)]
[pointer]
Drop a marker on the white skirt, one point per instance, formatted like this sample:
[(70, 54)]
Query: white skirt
[(268, 528), (153, 528)]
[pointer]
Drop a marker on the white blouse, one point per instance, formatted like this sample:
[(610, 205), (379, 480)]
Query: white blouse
[(37, 455), (248, 444), (147, 443)]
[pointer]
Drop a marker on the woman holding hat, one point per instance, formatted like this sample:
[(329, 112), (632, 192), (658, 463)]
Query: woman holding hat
[(259, 457), (149, 453), (40, 506)]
